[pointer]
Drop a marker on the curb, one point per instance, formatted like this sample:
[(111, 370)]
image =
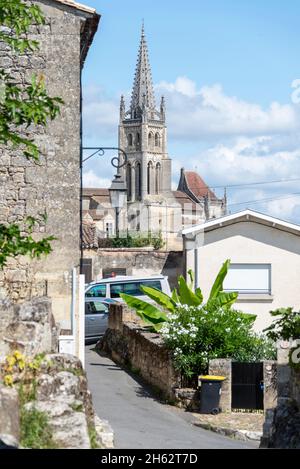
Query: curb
[(243, 435)]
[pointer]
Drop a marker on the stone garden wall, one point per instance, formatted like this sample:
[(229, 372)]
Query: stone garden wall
[(282, 425), (143, 352), (29, 328)]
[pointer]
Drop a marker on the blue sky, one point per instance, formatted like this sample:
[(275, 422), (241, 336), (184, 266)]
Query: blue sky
[(226, 68)]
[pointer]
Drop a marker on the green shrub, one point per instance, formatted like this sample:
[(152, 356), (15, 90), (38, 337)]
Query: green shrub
[(197, 334), (35, 430)]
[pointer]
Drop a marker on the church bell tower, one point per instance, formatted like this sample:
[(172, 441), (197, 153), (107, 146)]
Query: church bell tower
[(143, 135)]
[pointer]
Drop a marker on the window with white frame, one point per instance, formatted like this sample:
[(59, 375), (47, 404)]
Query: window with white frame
[(248, 279)]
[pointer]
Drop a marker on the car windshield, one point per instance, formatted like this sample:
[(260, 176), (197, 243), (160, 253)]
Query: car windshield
[(133, 288)]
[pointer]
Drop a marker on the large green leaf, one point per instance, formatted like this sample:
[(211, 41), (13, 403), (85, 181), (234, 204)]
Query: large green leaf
[(186, 295), (225, 299), (192, 278), (199, 294), (156, 324), (145, 308), (160, 298), (175, 296), (218, 285)]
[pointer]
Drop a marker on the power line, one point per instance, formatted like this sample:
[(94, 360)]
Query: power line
[(278, 181), (256, 201)]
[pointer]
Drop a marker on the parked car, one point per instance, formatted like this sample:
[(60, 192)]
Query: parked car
[(96, 317), (111, 288)]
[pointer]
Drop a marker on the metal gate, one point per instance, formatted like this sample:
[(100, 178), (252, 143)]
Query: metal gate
[(247, 386)]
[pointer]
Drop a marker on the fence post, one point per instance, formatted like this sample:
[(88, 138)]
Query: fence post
[(81, 320)]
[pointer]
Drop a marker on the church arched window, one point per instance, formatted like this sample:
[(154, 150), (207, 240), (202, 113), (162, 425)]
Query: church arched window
[(157, 140), (150, 140), (138, 181), (149, 177), (130, 140), (158, 179), (129, 181), (138, 140)]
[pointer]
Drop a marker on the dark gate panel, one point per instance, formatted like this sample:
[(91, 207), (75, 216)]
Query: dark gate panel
[(247, 386), (86, 269)]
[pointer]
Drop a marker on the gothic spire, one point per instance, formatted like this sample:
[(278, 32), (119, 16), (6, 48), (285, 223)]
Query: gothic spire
[(143, 93)]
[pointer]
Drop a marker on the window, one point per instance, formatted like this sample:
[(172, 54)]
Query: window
[(138, 181), (249, 278), (129, 181), (150, 140), (137, 140), (130, 140), (149, 177), (132, 288), (98, 291), (158, 179), (157, 140), (95, 307), (109, 229)]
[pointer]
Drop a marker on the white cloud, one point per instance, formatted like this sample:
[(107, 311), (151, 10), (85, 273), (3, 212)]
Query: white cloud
[(90, 179), (210, 113)]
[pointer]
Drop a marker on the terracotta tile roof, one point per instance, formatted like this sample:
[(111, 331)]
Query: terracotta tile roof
[(89, 234), (95, 192), (76, 5), (197, 185)]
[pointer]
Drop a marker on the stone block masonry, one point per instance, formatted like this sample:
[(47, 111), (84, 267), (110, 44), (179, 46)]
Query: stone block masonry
[(129, 344), (51, 186)]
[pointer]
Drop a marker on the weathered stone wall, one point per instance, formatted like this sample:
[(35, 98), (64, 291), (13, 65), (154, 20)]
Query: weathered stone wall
[(221, 367), (137, 262), (129, 344), (53, 185), (61, 392), (29, 327), (282, 425)]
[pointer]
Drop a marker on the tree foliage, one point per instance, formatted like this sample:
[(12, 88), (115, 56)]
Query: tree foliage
[(21, 107)]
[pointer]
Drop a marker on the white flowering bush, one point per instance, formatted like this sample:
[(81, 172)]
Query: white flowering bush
[(196, 334)]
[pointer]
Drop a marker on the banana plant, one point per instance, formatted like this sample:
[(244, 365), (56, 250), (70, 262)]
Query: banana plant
[(183, 295)]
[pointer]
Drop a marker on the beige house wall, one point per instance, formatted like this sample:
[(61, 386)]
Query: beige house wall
[(252, 243)]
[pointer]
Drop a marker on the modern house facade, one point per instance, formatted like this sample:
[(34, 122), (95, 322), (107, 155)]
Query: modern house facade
[(265, 260)]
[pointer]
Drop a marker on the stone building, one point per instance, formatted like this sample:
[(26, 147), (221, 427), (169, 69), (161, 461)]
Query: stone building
[(152, 207), (53, 185)]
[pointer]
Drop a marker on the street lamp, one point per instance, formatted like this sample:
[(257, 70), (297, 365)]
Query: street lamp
[(118, 197)]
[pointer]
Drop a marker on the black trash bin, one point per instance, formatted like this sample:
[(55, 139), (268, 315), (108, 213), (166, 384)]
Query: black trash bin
[(211, 389)]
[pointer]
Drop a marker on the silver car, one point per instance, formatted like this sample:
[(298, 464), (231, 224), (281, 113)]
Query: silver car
[(96, 317)]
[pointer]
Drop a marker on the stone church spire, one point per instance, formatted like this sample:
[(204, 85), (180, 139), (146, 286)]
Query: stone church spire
[(143, 98)]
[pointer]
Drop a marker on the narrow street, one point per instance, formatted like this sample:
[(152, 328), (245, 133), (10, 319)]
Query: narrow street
[(138, 419)]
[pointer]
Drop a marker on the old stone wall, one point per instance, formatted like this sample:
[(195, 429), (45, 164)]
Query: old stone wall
[(51, 186), (129, 344), (61, 392), (282, 425), (29, 328), (137, 262)]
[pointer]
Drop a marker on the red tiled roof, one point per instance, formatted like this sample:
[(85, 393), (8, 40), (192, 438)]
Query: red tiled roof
[(95, 192), (197, 185)]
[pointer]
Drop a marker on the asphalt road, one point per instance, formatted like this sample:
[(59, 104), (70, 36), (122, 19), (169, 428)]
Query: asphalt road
[(138, 419)]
